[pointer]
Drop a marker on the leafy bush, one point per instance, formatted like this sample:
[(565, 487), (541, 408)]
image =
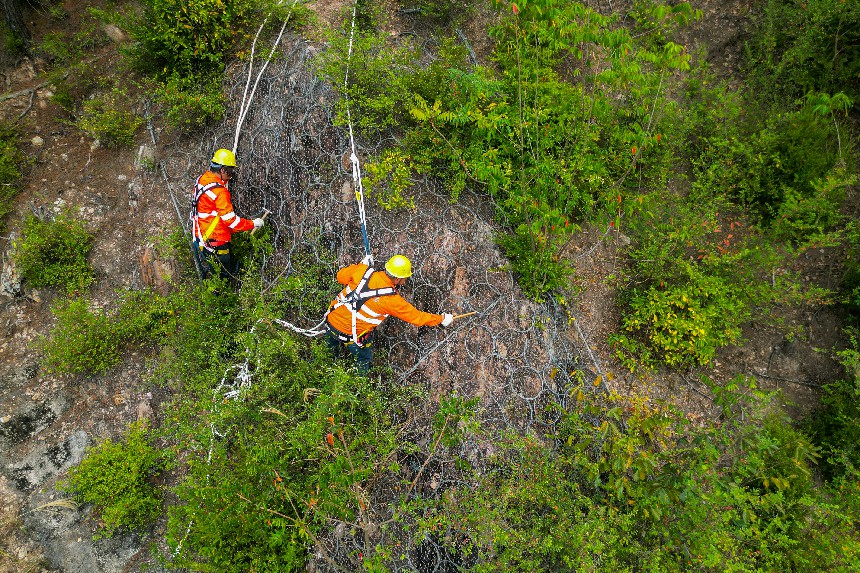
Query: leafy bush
[(550, 149), (799, 47), (189, 38), (621, 484), (387, 178), (836, 427), (190, 101), (54, 253), (67, 50), (774, 165), (303, 439), (115, 478), (109, 119), (687, 323), (11, 161), (384, 79), (93, 341)]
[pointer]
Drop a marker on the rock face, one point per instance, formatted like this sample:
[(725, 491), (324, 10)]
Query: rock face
[(45, 462), (155, 273), (116, 35), (10, 278)]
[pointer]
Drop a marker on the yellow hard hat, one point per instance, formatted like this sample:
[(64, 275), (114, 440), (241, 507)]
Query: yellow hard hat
[(399, 267), (224, 157)]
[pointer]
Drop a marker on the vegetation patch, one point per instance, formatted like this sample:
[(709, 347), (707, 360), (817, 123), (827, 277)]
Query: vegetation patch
[(108, 118), (11, 161), (53, 253), (90, 341), (116, 478)]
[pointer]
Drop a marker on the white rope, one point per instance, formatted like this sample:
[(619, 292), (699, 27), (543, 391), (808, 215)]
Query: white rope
[(353, 158), (246, 99), (235, 387), (359, 189), (309, 332)]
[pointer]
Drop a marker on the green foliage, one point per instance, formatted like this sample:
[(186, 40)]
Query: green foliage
[(62, 49), (115, 478), (54, 253), (552, 149), (388, 177), (836, 428), (624, 485), (775, 169), (447, 11), (11, 161), (303, 439), (12, 44), (797, 47), (192, 38), (307, 289), (384, 79), (695, 280), (689, 322), (109, 119), (534, 260), (190, 102), (90, 341)]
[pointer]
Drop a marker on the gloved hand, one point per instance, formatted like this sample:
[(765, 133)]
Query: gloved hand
[(447, 319), (258, 222), (367, 260)]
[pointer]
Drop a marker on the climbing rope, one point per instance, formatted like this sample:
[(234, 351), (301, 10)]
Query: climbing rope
[(246, 99), (353, 157), (319, 329)]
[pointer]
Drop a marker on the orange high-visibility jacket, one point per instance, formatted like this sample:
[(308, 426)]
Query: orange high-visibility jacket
[(214, 200), (374, 310)]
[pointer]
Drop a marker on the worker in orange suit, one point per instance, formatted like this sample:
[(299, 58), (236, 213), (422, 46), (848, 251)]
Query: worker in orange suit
[(213, 220), (369, 298)]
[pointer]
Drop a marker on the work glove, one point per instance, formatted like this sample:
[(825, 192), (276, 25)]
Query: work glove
[(447, 319), (367, 260), (258, 222)]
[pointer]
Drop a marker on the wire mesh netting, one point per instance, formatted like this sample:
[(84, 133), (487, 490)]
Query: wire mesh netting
[(517, 356)]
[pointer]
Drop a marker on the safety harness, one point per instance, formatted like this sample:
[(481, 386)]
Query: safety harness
[(195, 214), (355, 301)]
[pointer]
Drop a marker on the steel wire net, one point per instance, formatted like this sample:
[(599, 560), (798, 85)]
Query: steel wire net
[(517, 356)]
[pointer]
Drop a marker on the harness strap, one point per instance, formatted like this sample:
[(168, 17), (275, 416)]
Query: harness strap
[(355, 301), (195, 213)]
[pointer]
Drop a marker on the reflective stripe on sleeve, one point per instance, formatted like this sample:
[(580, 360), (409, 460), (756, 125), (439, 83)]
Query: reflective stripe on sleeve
[(368, 320)]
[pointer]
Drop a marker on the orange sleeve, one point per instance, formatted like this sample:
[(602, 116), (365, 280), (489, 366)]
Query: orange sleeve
[(396, 305), (234, 222)]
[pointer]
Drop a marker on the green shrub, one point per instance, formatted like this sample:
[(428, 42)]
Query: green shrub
[(768, 166), (624, 484), (797, 47), (54, 253), (92, 341), (11, 161), (191, 102), (836, 427), (304, 439), (387, 178), (189, 38), (687, 323), (109, 119), (115, 478), (83, 341)]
